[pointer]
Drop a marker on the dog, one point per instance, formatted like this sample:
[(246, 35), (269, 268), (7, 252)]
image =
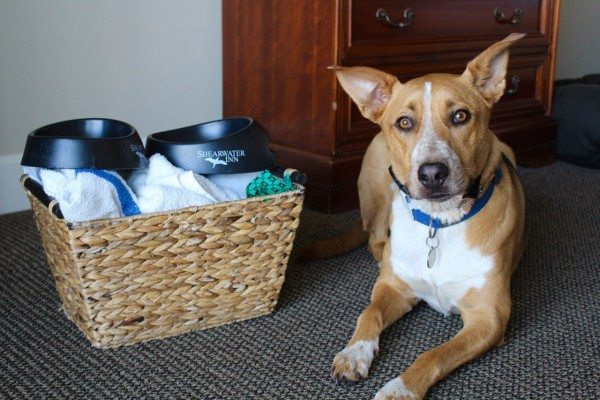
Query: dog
[(443, 211)]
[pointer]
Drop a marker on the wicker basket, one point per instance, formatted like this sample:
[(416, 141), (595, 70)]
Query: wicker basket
[(126, 280)]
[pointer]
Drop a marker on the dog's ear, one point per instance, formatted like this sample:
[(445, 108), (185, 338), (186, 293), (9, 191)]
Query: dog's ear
[(369, 88), (487, 72)]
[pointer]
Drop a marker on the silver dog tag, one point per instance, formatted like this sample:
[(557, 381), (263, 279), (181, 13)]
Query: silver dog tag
[(432, 242), (431, 257)]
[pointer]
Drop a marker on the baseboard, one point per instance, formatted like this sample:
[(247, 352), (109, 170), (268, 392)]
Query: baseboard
[(12, 195)]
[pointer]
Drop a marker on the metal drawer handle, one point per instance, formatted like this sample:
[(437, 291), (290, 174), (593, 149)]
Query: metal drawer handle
[(515, 19), (514, 85), (383, 16)]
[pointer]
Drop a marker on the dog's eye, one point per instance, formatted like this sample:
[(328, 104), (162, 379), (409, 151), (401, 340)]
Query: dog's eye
[(404, 123), (460, 117)]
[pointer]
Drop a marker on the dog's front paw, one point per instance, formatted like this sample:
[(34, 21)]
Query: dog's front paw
[(352, 364), (395, 390)]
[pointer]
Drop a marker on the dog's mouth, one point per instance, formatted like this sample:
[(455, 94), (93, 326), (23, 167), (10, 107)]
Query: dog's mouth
[(438, 197)]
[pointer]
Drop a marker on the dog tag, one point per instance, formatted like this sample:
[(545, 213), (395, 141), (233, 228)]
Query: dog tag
[(432, 242), (431, 257)]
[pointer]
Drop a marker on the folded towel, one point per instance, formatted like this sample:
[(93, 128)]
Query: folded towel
[(85, 194), (237, 183), (163, 187)]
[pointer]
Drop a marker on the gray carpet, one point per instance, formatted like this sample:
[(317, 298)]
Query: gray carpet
[(552, 349)]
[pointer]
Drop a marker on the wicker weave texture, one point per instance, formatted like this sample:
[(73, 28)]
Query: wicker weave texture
[(126, 280)]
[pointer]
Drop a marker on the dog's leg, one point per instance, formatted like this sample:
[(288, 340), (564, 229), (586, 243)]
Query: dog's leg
[(390, 300), (376, 222), (484, 326), (375, 195)]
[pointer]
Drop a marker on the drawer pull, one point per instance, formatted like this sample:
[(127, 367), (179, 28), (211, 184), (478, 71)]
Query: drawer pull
[(383, 16), (514, 86), (515, 19)]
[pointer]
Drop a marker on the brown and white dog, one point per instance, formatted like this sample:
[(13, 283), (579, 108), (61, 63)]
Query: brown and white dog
[(444, 213)]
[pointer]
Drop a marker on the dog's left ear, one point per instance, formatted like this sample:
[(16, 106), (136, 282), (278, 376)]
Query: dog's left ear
[(369, 88), (487, 71)]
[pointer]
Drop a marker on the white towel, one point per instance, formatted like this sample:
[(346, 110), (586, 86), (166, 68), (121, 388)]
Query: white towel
[(236, 183), (163, 187), (84, 195)]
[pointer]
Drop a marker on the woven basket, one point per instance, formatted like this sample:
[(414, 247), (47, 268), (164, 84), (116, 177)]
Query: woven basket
[(131, 279)]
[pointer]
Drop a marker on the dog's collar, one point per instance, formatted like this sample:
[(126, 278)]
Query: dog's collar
[(480, 195)]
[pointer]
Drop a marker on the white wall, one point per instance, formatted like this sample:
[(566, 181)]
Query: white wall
[(578, 50), (153, 63)]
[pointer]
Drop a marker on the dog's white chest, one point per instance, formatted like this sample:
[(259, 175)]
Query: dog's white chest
[(457, 267)]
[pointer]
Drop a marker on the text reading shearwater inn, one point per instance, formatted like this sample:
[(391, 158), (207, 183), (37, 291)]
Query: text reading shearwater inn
[(229, 155)]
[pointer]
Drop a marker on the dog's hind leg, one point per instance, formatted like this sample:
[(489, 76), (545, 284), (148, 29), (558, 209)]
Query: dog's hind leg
[(390, 300), (375, 194)]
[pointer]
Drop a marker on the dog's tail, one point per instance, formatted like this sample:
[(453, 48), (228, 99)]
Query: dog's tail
[(343, 243)]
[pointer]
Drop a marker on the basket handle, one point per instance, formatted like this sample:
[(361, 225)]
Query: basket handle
[(37, 190)]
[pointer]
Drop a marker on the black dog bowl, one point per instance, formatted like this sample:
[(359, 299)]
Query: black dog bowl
[(226, 146), (91, 143)]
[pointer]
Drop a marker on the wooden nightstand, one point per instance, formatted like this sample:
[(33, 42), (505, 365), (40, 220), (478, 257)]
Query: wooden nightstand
[(275, 54)]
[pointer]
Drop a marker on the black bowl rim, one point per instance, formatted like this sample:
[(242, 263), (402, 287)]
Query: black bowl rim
[(132, 132), (122, 159), (251, 121)]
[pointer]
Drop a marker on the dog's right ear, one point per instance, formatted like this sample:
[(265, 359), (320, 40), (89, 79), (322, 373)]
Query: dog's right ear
[(369, 88)]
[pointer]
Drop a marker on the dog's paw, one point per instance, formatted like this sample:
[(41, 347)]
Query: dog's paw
[(395, 390), (352, 364)]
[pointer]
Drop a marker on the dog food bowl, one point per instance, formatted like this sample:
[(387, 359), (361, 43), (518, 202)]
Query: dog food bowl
[(227, 146), (91, 143)]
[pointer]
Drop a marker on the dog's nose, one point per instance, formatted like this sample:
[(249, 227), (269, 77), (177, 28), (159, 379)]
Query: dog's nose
[(432, 175)]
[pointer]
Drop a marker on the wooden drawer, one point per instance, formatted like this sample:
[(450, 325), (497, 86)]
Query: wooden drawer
[(450, 24), (520, 84)]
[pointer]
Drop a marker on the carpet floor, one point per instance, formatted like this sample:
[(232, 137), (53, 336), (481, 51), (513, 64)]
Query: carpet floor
[(552, 348)]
